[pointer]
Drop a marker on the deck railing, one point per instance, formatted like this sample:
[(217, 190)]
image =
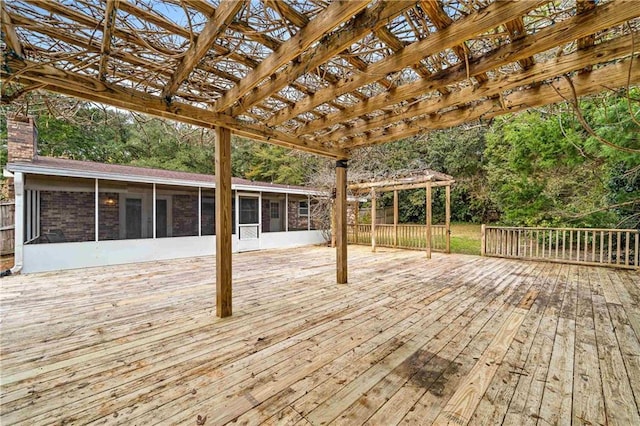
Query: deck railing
[(411, 237), (7, 239), (586, 246)]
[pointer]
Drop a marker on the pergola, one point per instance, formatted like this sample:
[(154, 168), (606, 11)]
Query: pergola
[(323, 77), (429, 180)]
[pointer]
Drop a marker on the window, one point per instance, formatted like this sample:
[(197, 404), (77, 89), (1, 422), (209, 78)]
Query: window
[(303, 208), (275, 210), (248, 210)]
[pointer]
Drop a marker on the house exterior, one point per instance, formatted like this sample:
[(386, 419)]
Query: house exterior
[(74, 214)]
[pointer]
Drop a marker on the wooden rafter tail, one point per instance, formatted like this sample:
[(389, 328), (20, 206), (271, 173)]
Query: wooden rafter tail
[(611, 50), (545, 39), (335, 14), (215, 26), (608, 77), (109, 21), (477, 23), (84, 87), (10, 35)]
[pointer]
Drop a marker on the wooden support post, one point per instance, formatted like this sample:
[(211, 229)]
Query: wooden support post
[(483, 240), (428, 204), (341, 220), (373, 220), (395, 218), (223, 222), (447, 223), (355, 219), (333, 224)]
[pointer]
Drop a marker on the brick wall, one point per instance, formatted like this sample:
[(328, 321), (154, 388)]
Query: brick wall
[(109, 216), (296, 222), (185, 215), (70, 212), (21, 139)]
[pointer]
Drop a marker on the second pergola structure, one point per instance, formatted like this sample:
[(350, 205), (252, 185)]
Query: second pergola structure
[(427, 181)]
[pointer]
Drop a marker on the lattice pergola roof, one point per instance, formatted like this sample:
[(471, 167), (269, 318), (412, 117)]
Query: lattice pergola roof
[(325, 77)]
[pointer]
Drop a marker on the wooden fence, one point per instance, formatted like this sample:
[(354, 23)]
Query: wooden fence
[(585, 246), (411, 237), (7, 239)]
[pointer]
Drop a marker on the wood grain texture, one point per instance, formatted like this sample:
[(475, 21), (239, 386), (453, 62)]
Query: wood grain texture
[(140, 344), (224, 223), (341, 224)]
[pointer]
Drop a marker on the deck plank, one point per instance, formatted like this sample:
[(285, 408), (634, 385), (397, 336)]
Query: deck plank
[(402, 342)]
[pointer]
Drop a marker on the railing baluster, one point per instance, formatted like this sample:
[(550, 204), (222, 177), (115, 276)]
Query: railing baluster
[(570, 244), (637, 252), (626, 255), (618, 244), (593, 246), (601, 246)]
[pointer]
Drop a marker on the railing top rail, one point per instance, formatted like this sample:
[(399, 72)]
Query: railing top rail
[(534, 228), (378, 225)]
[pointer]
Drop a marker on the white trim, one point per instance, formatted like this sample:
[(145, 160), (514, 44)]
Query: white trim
[(18, 254), (199, 211), (259, 214), (286, 213), (55, 171), (153, 211), (308, 212), (62, 256), (28, 199), (97, 210)]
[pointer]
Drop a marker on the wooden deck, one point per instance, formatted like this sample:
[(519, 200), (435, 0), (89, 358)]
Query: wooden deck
[(455, 339)]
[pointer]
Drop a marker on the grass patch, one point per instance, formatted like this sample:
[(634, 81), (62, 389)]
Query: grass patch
[(465, 238)]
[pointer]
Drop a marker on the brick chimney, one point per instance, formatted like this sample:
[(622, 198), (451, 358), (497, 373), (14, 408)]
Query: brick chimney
[(22, 139)]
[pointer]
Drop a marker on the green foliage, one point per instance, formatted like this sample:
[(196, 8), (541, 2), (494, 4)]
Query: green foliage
[(546, 169), (270, 163)]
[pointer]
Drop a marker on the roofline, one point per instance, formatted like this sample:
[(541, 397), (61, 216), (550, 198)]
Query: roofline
[(56, 171)]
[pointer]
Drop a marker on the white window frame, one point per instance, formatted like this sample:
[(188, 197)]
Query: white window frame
[(300, 214)]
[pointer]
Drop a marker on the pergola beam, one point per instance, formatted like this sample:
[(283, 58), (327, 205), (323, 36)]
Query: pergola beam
[(402, 187), (109, 21), (335, 14), (300, 20), (563, 32), (584, 6), (363, 24), (216, 25), (607, 51), (605, 78), (432, 176), (11, 37), (84, 87), (441, 20), (477, 23)]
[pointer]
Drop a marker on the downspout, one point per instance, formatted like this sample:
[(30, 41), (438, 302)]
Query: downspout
[(18, 255)]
